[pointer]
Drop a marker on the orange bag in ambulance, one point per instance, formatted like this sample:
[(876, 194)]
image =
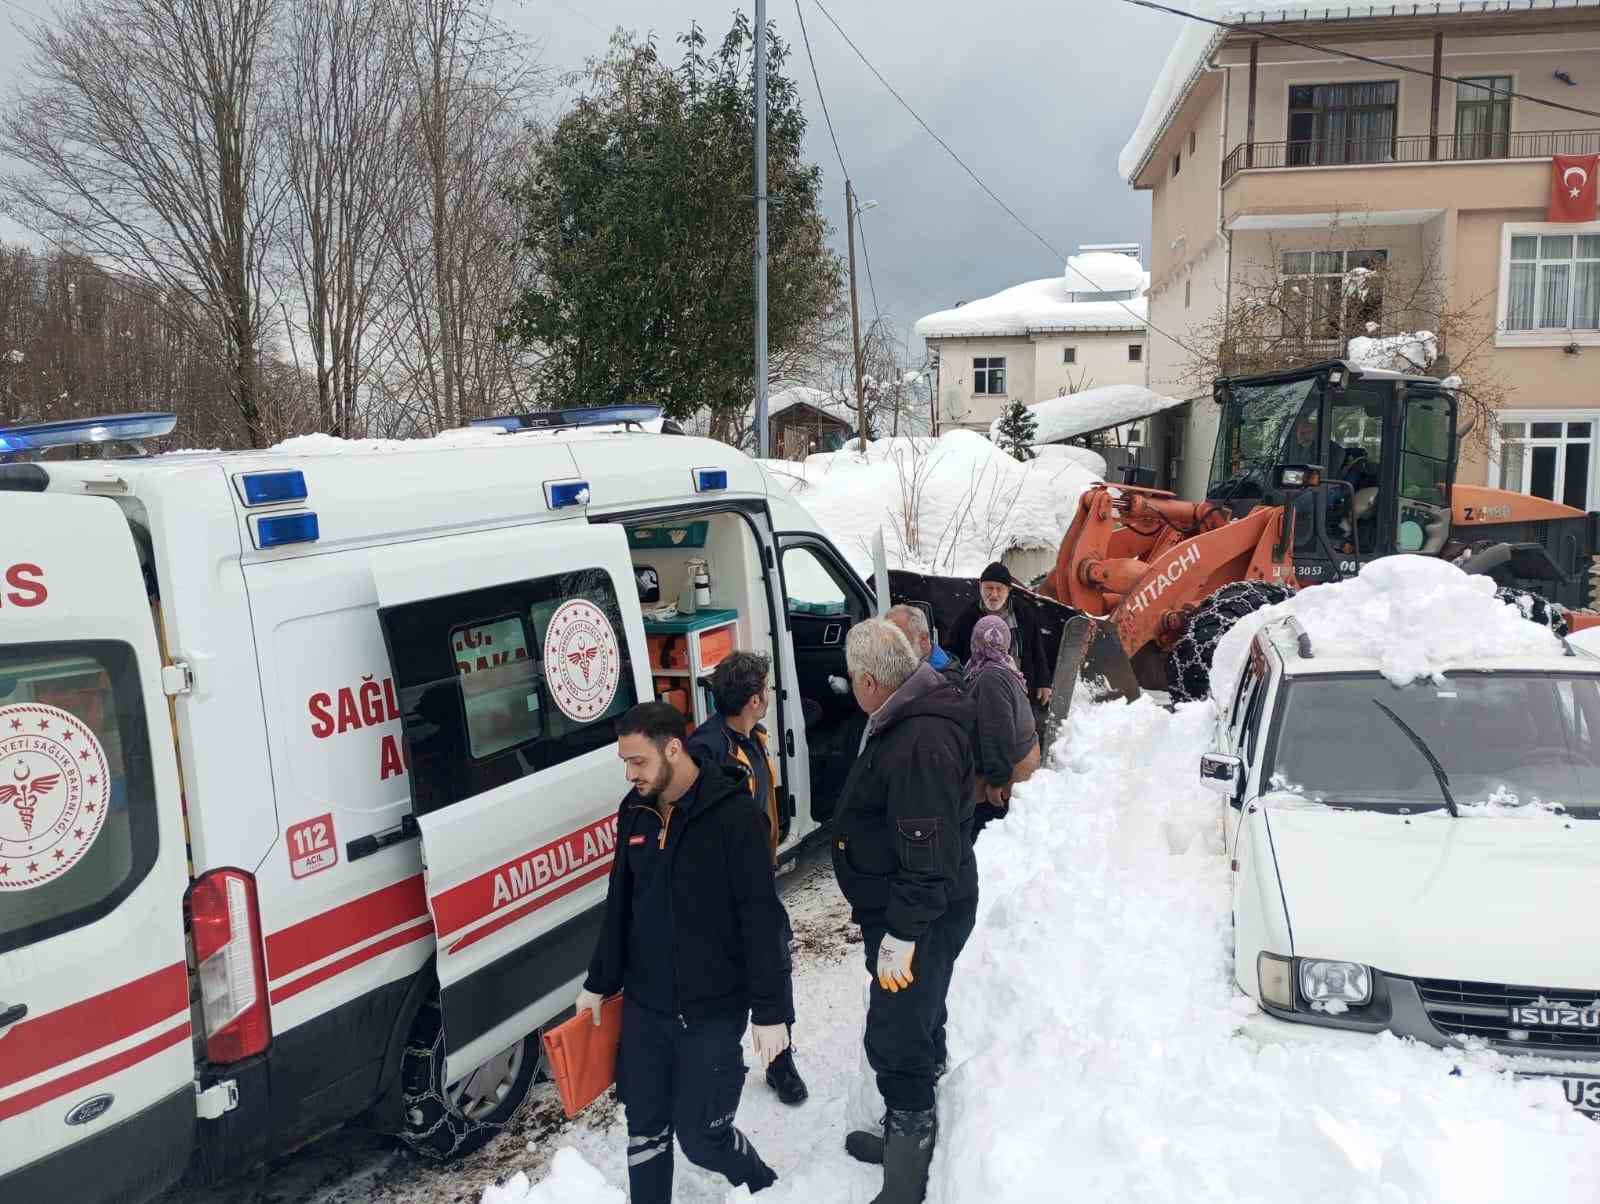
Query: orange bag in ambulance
[(308, 779)]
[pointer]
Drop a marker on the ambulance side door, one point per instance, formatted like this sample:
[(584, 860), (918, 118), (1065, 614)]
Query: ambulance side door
[(96, 1067), (513, 652)]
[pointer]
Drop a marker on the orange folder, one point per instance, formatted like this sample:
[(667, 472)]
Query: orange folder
[(583, 1055)]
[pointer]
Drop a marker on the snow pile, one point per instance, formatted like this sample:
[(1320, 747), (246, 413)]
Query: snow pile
[(1087, 457), (948, 505), (1092, 410), (1105, 272), (571, 1181), (1396, 353), (1414, 615), (1040, 306), (1588, 640)]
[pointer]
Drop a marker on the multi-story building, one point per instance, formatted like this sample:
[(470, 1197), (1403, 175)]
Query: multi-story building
[(1042, 339), (1429, 158)]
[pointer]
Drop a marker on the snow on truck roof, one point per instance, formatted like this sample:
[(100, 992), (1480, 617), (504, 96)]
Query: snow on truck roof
[(1197, 41), (1407, 617)]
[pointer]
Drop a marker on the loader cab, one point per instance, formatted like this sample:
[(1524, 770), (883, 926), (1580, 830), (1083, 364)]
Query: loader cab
[(1385, 443)]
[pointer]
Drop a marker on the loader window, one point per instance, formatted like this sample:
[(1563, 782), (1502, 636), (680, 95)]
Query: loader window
[(78, 821), (1258, 424), (1424, 520)]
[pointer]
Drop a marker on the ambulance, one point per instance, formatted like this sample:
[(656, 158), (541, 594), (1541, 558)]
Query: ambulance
[(307, 765)]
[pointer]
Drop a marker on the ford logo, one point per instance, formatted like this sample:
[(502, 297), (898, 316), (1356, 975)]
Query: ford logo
[(92, 1108)]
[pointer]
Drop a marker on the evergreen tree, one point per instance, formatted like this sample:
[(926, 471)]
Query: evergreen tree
[(1017, 429), (638, 232)]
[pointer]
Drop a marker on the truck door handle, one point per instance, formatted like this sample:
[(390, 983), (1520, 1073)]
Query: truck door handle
[(12, 1014), (831, 633)]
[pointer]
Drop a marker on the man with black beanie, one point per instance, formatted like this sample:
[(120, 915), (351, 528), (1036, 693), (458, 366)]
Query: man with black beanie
[(995, 598)]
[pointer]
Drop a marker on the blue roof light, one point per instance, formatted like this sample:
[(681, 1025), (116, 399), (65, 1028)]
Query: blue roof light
[(276, 530), (559, 494), (265, 488), (577, 416), (709, 480), (72, 432)]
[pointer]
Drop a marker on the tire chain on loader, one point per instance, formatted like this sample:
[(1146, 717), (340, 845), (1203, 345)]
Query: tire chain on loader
[(1538, 610), (1189, 662)]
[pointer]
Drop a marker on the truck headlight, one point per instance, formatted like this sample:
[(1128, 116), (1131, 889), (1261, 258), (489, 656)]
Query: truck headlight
[(1275, 977), (1345, 983)]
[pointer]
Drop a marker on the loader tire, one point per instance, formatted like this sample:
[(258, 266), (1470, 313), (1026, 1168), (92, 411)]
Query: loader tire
[(1189, 662), (1537, 610), (450, 1120)]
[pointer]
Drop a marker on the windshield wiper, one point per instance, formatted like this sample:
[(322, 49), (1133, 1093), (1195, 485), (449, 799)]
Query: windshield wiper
[(1427, 753)]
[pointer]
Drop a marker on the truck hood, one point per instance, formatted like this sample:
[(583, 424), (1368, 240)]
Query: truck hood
[(1501, 899)]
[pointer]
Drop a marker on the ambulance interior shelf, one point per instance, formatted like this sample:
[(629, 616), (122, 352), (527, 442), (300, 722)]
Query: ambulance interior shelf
[(683, 650)]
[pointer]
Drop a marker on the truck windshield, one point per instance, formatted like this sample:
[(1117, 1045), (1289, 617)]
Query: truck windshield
[(1503, 738), (1256, 423), (78, 824)]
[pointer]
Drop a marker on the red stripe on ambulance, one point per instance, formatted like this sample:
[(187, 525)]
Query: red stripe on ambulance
[(68, 1033), (516, 913), (565, 857), (95, 1073), (399, 939), (299, 945)]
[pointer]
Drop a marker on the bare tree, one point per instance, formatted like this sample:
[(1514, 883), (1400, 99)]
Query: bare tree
[(449, 226), (338, 120), (142, 139)]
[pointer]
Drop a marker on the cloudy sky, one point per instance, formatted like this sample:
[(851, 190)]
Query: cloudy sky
[(1038, 96)]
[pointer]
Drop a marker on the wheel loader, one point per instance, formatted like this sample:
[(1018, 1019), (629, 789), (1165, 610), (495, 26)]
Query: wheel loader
[(1317, 471)]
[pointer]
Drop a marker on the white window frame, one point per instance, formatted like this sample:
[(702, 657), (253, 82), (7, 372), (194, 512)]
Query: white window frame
[(1309, 293), (990, 364), (1553, 336), (1497, 444)]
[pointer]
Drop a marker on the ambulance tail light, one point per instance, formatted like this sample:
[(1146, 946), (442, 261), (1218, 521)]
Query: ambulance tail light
[(225, 925)]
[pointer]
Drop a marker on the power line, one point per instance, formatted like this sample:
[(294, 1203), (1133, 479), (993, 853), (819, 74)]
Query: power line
[(1142, 319), (1387, 64)]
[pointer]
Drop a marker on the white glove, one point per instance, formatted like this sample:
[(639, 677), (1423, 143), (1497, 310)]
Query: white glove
[(769, 1040), (841, 685), (589, 1002), (894, 962)]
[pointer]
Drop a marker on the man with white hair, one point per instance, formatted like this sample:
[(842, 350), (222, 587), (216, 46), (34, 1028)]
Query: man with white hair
[(902, 853), (913, 624)]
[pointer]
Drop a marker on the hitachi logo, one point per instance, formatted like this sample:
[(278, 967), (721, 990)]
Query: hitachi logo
[(1175, 568)]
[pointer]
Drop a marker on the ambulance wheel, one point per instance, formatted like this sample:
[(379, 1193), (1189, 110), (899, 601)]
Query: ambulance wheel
[(1189, 663), (449, 1120)]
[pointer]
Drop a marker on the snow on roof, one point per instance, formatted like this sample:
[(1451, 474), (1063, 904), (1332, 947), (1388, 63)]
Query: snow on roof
[(1105, 272), (1037, 307), (466, 436), (1061, 418), (974, 502), (1406, 616), (821, 399), (1197, 41)]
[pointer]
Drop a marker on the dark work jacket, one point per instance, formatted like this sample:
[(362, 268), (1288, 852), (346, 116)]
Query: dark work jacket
[(902, 834), (1027, 645), (725, 923), (1005, 732), (715, 743)]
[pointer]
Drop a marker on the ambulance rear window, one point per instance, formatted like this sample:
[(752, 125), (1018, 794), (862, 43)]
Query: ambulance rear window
[(500, 683), (78, 825)]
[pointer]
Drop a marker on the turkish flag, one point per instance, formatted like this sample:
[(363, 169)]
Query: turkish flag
[(1574, 187)]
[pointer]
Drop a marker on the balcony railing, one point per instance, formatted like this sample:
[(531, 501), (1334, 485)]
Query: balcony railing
[(1410, 148)]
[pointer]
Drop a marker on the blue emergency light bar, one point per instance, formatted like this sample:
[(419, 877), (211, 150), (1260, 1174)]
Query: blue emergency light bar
[(559, 494), (267, 488), (276, 530), (545, 420), (709, 480), (74, 432)]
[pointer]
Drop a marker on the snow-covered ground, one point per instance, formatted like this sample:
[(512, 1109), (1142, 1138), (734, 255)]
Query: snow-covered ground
[(948, 505)]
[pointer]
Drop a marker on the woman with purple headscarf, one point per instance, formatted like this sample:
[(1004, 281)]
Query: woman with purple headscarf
[(1007, 744)]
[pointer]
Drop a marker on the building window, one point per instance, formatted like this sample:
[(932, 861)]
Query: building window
[(1177, 164), (1342, 123), (1135, 353), (989, 376), (1069, 355), (1552, 281), (1547, 455), (1483, 117), (1333, 291)]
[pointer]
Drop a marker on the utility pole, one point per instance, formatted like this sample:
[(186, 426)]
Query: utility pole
[(762, 434), (855, 313)]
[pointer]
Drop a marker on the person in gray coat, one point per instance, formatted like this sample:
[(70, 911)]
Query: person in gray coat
[(1006, 746)]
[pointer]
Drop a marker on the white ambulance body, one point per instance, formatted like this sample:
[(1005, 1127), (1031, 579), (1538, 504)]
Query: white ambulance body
[(308, 782)]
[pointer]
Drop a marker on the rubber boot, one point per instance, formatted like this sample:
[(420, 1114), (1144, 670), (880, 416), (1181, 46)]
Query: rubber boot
[(907, 1152), (783, 1078), (864, 1146)]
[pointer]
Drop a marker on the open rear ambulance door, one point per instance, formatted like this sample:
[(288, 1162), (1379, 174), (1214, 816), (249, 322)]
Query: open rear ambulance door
[(513, 652), (97, 1095)]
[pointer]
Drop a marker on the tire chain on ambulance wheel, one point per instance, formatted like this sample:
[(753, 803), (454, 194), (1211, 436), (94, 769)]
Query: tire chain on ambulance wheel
[(1537, 610), (1189, 663), (431, 1126)]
